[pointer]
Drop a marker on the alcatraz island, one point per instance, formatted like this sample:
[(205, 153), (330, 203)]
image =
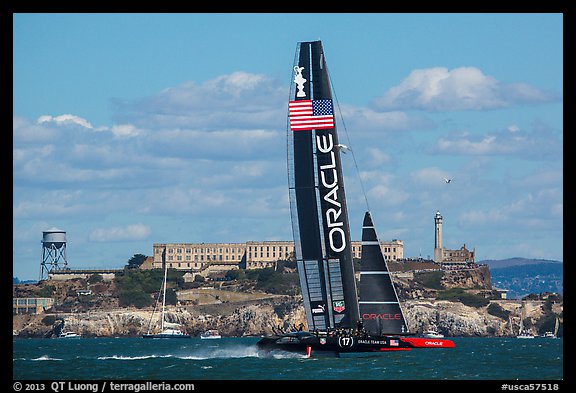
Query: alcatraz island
[(252, 288)]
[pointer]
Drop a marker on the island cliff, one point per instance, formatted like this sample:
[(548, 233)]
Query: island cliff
[(457, 303)]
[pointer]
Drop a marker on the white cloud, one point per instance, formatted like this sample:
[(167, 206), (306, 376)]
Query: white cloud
[(125, 233), (513, 128), (65, 119), (25, 131), (125, 130), (228, 144), (48, 204), (463, 88), (118, 130), (241, 99), (381, 187), (368, 121), (532, 145), (377, 157)]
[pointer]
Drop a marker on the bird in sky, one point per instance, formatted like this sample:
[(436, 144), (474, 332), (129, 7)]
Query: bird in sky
[(343, 148), (447, 180)]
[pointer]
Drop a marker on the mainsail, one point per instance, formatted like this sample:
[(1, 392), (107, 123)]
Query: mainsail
[(317, 200), (379, 306), (322, 236)]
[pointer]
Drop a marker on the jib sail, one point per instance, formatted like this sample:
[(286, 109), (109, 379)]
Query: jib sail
[(379, 306)]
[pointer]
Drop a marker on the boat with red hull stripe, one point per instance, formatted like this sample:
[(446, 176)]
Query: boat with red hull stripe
[(342, 316), (419, 342)]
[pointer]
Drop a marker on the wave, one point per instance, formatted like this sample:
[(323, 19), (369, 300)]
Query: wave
[(141, 357), (45, 357)]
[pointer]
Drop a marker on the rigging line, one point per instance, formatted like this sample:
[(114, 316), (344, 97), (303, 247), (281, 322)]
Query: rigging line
[(348, 140)]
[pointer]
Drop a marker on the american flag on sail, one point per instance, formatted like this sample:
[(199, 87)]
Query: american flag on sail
[(311, 115)]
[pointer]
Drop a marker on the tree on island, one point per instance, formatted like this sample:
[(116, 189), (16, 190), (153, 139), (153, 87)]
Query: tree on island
[(136, 261)]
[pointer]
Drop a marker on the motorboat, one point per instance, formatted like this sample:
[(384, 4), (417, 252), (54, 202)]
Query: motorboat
[(210, 334), (431, 333), (69, 334)]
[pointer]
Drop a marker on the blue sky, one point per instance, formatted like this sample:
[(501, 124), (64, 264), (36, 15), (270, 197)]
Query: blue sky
[(135, 129)]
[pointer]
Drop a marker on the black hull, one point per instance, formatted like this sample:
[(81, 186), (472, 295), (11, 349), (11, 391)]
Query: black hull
[(308, 344)]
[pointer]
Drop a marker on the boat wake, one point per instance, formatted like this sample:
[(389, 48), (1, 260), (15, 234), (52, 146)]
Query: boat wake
[(282, 355), (238, 352), (222, 353), (194, 354)]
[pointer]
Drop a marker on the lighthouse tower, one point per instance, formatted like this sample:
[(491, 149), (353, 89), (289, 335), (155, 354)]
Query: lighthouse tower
[(438, 254)]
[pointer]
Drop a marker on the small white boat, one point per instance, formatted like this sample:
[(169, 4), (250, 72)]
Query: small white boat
[(69, 334), (210, 334), (525, 334), (522, 332), (167, 333), (550, 334), (167, 330), (431, 333)]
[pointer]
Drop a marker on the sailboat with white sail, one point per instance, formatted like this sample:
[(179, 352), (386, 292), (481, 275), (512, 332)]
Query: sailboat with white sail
[(552, 334), (338, 321), (523, 332), (167, 329)]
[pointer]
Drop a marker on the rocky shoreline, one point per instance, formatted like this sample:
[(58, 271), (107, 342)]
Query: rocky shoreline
[(260, 317), (237, 310)]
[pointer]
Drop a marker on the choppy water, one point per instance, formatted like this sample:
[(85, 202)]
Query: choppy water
[(238, 359)]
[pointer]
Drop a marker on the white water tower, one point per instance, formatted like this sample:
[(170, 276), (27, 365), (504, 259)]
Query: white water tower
[(53, 252)]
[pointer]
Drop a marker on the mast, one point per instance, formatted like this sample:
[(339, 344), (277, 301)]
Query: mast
[(379, 305), (317, 200), (164, 296)]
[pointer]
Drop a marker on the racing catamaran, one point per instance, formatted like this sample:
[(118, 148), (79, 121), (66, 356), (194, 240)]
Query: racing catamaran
[(338, 322)]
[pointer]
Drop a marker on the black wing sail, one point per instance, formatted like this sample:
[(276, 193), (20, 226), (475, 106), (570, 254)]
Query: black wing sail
[(379, 306), (317, 200)]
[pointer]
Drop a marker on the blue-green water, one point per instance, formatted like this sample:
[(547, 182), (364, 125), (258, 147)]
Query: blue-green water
[(238, 359)]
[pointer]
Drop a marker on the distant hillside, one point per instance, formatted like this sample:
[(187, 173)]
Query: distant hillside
[(521, 276), (501, 263)]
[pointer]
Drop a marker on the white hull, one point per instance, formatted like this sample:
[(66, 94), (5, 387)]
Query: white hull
[(69, 335), (433, 335), (210, 335), (525, 335)]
